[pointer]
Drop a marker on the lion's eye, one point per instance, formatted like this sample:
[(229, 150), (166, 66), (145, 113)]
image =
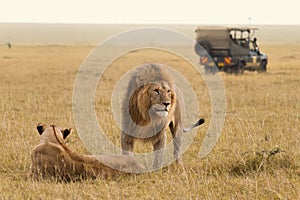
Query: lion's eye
[(156, 91), (169, 91)]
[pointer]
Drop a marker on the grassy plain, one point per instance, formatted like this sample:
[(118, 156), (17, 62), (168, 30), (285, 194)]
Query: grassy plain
[(256, 157)]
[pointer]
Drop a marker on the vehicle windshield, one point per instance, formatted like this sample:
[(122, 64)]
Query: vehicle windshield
[(240, 37), (239, 34)]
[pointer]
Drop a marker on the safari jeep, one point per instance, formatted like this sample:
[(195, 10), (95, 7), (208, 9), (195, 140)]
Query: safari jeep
[(231, 50)]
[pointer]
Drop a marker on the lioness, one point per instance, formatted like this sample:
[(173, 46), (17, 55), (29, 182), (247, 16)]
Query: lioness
[(53, 159), (151, 105)]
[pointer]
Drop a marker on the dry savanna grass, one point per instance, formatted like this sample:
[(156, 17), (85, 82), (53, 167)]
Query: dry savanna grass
[(256, 157)]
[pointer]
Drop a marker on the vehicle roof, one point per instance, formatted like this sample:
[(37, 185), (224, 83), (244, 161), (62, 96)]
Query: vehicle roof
[(241, 28), (226, 28)]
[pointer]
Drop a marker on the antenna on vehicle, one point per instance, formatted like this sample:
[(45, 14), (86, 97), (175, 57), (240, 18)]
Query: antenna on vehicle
[(249, 20)]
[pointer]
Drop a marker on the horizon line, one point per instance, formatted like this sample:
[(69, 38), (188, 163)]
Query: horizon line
[(120, 23)]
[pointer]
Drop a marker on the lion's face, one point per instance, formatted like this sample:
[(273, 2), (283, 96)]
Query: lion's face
[(150, 99), (161, 99)]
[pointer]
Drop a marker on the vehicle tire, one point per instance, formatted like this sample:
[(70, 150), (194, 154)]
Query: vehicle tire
[(207, 69), (202, 45), (263, 66), (239, 68), (228, 70), (210, 70)]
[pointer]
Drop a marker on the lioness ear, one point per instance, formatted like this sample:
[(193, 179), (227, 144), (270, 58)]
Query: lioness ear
[(41, 128), (66, 132)]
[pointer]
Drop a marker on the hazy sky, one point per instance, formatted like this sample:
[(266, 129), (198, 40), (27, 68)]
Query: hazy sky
[(151, 11)]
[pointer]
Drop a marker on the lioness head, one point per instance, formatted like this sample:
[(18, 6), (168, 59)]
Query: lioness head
[(52, 133)]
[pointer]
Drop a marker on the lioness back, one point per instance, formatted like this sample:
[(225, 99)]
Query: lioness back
[(53, 159)]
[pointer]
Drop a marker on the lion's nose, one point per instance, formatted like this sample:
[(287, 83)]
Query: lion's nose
[(166, 104)]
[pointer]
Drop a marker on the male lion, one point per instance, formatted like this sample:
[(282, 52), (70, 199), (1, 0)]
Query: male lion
[(152, 104), (53, 159)]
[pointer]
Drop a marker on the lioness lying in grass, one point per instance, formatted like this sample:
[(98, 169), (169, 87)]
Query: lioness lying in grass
[(53, 159)]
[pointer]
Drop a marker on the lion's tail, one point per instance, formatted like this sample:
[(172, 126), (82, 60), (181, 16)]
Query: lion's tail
[(198, 123)]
